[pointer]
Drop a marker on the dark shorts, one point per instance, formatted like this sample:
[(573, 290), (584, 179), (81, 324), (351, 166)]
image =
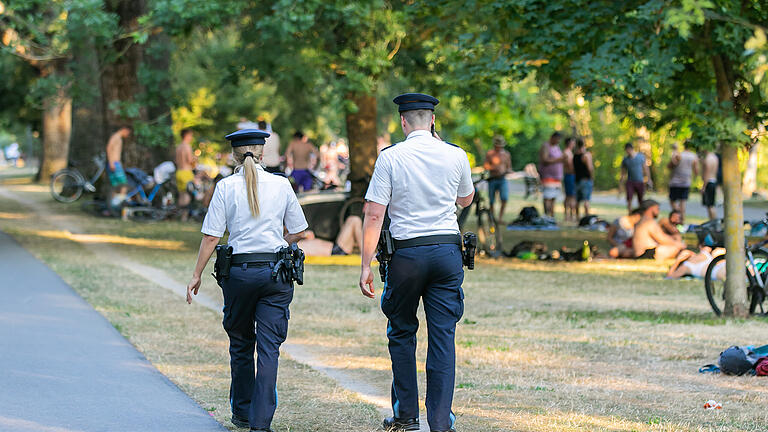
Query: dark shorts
[(498, 184), (303, 179), (569, 184), (635, 188), (648, 254), (677, 193), (708, 195), (337, 250), (584, 190)]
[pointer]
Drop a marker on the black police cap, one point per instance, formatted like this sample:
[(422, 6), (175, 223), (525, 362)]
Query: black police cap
[(415, 101), (246, 137)]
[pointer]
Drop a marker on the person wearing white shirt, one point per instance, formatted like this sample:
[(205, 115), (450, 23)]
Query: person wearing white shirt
[(257, 208), (421, 180), (271, 158)]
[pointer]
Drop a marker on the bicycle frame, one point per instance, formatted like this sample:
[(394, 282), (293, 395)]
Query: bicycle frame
[(143, 197)]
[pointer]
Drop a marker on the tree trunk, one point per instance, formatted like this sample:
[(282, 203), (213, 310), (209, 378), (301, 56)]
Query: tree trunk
[(157, 87), (120, 84), (749, 185), (57, 126), (361, 130), (735, 284), (89, 131)]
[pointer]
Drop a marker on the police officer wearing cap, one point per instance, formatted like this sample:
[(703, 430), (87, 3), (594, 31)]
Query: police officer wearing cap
[(417, 183), (255, 207)]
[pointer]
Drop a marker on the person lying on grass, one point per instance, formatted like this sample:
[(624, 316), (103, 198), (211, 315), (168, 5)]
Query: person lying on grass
[(649, 240), (350, 238), (690, 263), (620, 235)]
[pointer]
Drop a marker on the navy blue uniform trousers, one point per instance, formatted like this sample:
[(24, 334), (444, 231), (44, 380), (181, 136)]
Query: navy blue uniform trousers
[(433, 274), (255, 315)]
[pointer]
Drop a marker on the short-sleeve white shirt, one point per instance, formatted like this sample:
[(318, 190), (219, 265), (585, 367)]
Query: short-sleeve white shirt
[(278, 208), (420, 179)]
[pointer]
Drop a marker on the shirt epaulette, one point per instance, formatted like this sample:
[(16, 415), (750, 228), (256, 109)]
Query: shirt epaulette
[(388, 147), (449, 143)]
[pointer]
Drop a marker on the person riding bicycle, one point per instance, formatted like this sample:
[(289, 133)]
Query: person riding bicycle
[(255, 207)]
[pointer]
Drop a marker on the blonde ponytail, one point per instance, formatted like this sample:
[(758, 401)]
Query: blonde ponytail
[(250, 173)]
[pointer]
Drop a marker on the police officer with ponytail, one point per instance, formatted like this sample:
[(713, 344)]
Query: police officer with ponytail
[(256, 208)]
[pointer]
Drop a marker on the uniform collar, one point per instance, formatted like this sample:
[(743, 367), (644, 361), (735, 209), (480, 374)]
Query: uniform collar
[(419, 132), (239, 168)]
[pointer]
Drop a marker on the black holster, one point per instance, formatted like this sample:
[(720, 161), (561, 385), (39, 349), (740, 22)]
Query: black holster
[(223, 263), (384, 252), (289, 265), (468, 251)]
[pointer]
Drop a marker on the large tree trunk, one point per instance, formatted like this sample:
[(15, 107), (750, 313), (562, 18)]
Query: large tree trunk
[(120, 83), (89, 130), (157, 85), (361, 130), (57, 126), (735, 284), (749, 185)]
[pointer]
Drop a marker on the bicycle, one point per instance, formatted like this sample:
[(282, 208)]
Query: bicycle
[(68, 184), (711, 234), (154, 206), (489, 236)]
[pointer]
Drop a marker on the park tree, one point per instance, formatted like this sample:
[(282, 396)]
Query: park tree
[(683, 61), (347, 46)]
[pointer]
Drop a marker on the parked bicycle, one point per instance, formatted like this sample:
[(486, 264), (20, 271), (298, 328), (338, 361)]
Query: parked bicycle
[(711, 234), (140, 205), (68, 184), (488, 233)]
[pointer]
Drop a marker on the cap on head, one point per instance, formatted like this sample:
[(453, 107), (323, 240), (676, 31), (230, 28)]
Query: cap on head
[(415, 101), (247, 137)]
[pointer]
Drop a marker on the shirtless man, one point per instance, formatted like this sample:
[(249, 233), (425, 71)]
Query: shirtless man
[(115, 171), (300, 156), (649, 240), (185, 162), (709, 176), (498, 163)]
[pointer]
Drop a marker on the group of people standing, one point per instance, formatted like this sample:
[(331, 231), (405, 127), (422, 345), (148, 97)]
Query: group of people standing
[(571, 168)]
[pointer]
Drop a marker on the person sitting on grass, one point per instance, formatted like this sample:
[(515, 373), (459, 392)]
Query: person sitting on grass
[(350, 238), (689, 263), (669, 225), (620, 234), (649, 240)]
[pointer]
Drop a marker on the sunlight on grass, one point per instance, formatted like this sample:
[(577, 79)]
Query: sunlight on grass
[(7, 215), (173, 245)]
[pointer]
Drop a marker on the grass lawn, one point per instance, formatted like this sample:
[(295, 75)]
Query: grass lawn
[(606, 345)]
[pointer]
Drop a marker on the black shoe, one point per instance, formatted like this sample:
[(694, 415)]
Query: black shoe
[(261, 430), (449, 430), (398, 424), (240, 422)]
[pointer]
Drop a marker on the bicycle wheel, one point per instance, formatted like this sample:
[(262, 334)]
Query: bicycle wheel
[(754, 291), (488, 234), (714, 283), (146, 214), (66, 186)]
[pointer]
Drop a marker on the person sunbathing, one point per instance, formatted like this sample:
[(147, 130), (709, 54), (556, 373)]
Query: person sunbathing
[(620, 235), (649, 240), (689, 263), (350, 238)]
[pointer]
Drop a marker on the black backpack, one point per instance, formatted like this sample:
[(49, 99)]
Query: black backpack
[(528, 215)]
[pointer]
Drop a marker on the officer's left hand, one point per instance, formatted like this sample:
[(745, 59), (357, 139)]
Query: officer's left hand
[(192, 288), (366, 282)]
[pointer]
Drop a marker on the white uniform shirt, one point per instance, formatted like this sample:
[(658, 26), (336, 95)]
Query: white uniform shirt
[(420, 179), (278, 207)]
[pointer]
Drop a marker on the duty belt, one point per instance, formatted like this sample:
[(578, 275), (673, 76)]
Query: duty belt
[(254, 258), (430, 240)]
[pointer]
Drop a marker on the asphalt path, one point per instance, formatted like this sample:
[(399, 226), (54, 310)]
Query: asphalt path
[(64, 368)]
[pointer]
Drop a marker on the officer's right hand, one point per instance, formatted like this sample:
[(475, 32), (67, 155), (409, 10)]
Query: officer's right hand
[(192, 288), (366, 282)]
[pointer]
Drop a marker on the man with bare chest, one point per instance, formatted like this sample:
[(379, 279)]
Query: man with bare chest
[(301, 156)]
